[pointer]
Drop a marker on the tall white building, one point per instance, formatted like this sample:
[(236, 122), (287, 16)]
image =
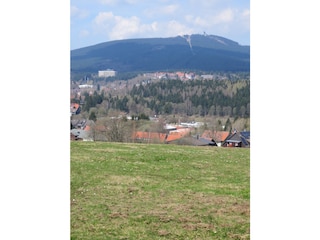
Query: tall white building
[(107, 73)]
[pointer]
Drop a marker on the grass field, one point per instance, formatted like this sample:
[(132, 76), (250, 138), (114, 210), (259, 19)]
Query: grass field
[(158, 191)]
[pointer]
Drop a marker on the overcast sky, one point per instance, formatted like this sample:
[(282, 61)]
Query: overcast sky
[(96, 21)]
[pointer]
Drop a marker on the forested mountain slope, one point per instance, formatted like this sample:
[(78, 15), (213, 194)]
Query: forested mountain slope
[(190, 52)]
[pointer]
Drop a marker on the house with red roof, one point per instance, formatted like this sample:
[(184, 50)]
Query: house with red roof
[(216, 136), (75, 108), (177, 134), (148, 137), (156, 137)]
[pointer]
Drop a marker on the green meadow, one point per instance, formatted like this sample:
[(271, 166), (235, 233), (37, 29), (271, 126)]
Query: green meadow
[(158, 191)]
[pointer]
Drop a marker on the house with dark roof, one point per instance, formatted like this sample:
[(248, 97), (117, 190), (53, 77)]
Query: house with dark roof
[(193, 141), (81, 123), (236, 139), (206, 142), (246, 135)]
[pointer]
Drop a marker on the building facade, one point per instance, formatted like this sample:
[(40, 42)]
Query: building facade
[(106, 73)]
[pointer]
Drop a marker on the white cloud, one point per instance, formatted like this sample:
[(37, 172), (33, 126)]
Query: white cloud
[(154, 26), (103, 19), (246, 13), (169, 9), (115, 2), (76, 12), (124, 27), (224, 16), (84, 33), (197, 21), (109, 2), (204, 3), (174, 28), (245, 20), (73, 10), (227, 22), (133, 1), (162, 10), (118, 27)]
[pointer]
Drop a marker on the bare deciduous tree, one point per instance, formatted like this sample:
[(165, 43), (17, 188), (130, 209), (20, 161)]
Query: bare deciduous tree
[(115, 130)]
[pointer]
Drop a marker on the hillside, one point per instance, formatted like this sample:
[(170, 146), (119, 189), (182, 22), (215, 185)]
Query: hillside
[(192, 52)]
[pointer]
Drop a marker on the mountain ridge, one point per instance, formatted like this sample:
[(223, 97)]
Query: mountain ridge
[(193, 52)]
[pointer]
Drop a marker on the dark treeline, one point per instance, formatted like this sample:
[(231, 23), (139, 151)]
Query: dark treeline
[(194, 97), (92, 100), (201, 97)]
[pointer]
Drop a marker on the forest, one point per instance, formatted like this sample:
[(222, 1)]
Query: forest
[(166, 97)]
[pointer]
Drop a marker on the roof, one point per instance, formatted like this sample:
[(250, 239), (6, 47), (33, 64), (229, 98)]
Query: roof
[(233, 141), (207, 142), (74, 106), (149, 135), (245, 134), (162, 137), (237, 138), (79, 133), (217, 136), (79, 123), (172, 136), (177, 134), (192, 140)]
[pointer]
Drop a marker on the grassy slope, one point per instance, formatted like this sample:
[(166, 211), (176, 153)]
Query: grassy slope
[(140, 191)]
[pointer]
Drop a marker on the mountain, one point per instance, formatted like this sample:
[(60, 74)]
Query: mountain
[(187, 52)]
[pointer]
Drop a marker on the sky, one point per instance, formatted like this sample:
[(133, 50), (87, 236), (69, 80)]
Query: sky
[(97, 21)]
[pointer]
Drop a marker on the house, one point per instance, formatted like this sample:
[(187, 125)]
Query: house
[(207, 76), (107, 73), (192, 140), (179, 133), (148, 137), (218, 137), (236, 140), (199, 141), (79, 123), (75, 108), (206, 142), (246, 135), (80, 135), (73, 137), (157, 137)]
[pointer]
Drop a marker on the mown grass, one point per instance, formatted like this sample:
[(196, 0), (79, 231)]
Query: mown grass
[(157, 191)]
